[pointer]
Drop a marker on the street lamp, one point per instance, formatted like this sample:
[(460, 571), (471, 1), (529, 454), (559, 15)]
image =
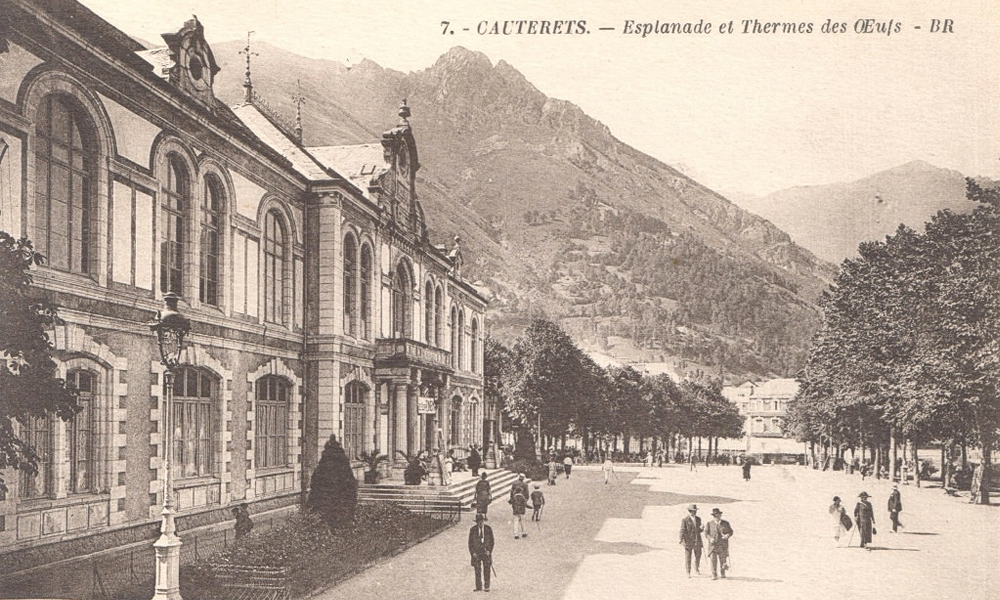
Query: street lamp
[(170, 327)]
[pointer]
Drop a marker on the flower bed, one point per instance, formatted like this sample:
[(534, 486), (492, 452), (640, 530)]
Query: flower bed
[(314, 557)]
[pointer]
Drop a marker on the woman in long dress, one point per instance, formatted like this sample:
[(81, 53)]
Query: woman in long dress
[(837, 513), (864, 516)]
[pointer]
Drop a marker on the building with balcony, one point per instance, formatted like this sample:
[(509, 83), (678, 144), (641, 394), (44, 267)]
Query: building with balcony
[(319, 304), (764, 405)]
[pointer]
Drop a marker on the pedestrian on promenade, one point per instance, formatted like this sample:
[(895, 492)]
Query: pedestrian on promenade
[(864, 517), (518, 486), (717, 534), (841, 522), (244, 524), (537, 502), (692, 463), (481, 551), (568, 465), (474, 460), (553, 469), (659, 458), (895, 507), (691, 539), (649, 459), (977, 483), (484, 495), (746, 470), (607, 468), (518, 503)]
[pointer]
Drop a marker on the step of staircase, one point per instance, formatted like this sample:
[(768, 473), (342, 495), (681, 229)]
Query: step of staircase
[(423, 498)]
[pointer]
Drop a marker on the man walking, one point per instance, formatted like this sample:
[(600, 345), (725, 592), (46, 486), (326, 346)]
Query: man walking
[(691, 539), (608, 468), (717, 534), (864, 517), (746, 470), (568, 465), (484, 495), (895, 507), (481, 551), (519, 503)]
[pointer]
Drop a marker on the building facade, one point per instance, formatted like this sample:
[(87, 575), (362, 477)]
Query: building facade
[(318, 303), (764, 405)]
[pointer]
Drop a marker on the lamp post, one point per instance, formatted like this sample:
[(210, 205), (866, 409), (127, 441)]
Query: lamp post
[(170, 327)]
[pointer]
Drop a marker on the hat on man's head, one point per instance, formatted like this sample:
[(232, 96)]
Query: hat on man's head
[(716, 511), (836, 498), (480, 517), (537, 485), (520, 475), (483, 475), (693, 507), (864, 495), (895, 486)]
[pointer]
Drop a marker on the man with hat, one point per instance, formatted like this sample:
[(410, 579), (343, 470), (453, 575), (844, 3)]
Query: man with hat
[(717, 534), (864, 516), (481, 550), (895, 507), (691, 539)]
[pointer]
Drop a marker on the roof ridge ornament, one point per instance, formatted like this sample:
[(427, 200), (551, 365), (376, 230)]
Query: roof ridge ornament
[(404, 114), (247, 83)]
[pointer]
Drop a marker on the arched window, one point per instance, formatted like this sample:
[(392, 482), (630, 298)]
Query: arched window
[(456, 420), (65, 163), (461, 340), (402, 302), (350, 286), (366, 282), (274, 268), (438, 316), (454, 337), (429, 313), (474, 347), (37, 432), (271, 422), (195, 398), (80, 430), (471, 418), (176, 199), (211, 243), (354, 419)]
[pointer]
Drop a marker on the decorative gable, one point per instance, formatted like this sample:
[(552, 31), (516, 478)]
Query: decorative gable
[(194, 67), (397, 185)]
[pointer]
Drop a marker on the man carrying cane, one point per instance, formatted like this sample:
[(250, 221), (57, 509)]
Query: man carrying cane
[(481, 551)]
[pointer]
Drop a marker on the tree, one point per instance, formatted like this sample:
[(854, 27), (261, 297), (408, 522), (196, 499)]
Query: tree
[(333, 492), (31, 389)]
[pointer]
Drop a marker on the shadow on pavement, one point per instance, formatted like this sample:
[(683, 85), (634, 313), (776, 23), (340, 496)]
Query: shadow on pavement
[(753, 579), (623, 548), (894, 549), (672, 499), (919, 533)]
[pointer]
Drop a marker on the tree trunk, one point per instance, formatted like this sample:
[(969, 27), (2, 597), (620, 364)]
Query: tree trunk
[(892, 442), (984, 486), (916, 462)]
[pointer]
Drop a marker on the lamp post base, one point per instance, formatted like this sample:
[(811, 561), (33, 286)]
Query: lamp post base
[(168, 561)]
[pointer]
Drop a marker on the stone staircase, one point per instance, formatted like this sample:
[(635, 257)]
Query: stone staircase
[(457, 497)]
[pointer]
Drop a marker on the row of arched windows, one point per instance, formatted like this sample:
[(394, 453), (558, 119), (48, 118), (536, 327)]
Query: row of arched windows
[(64, 223)]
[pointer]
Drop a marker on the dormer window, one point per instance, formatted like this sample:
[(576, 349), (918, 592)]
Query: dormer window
[(196, 68)]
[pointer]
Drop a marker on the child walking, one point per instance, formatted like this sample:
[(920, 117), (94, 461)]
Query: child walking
[(537, 502)]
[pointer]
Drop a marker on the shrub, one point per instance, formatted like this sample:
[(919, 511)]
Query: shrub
[(533, 469), (334, 489)]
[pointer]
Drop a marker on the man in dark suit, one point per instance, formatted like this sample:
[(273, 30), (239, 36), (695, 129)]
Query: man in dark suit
[(481, 550), (691, 539), (717, 534)]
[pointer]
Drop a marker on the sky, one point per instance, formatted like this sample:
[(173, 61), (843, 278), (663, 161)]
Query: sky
[(744, 113)]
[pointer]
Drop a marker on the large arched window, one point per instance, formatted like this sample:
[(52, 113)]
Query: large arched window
[(438, 315), (271, 422), (474, 346), (365, 279), (274, 267), (402, 302), (456, 420), (195, 399), (429, 313), (461, 339), (80, 430), (454, 337), (350, 285), (471, 419), (37, 432), (65, 163), (211, 241), (176, 199), (354, 419)]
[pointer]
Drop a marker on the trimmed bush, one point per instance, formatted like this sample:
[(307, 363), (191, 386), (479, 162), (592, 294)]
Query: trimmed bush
[(333, 491), (533, 469)]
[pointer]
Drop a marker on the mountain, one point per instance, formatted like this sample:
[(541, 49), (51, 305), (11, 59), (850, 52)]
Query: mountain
[(831, 220), (560, 218)]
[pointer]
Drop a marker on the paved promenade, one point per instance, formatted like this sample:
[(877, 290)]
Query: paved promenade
[(619, 542)]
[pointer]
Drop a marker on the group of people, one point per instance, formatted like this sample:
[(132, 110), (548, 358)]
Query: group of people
[(864, 516), (716, 533)]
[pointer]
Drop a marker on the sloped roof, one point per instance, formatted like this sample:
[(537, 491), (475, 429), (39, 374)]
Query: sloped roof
[(160, 59), (357, 163), (777, 388), (273, 136)]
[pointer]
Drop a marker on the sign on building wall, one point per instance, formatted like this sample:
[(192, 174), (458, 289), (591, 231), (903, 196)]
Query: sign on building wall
[(425, 405)]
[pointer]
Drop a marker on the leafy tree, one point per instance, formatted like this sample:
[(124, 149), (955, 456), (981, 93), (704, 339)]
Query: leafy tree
[(27, 370), (333, 490)]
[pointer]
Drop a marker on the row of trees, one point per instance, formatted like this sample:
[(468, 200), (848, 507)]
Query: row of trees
[(545, 381), (910, 343)]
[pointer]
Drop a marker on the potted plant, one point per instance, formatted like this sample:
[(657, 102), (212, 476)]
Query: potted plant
[(372, 460), (415, 470)]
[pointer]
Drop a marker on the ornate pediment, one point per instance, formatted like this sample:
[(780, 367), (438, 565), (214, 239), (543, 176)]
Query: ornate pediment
[(398, 183), (194, 67)]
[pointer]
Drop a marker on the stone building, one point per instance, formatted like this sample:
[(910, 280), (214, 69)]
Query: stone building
[(318, 303), (764, 406)]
